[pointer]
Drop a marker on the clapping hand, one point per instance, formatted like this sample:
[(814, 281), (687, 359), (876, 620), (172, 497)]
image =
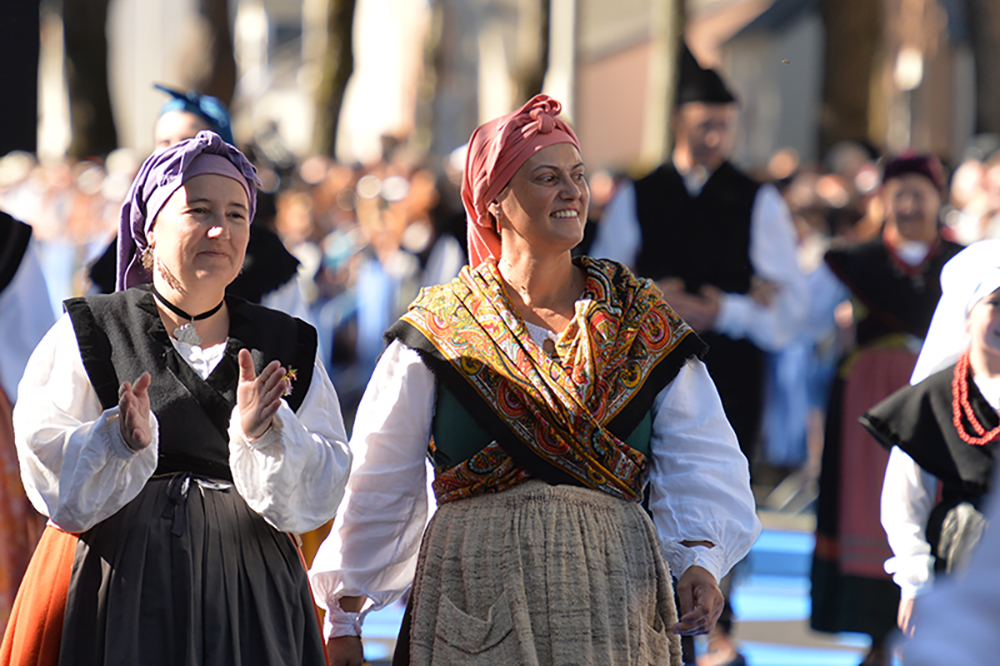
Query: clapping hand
[(133, 412), (259, 396)]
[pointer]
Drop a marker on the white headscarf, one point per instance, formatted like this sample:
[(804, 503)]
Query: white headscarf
[(970, 276)]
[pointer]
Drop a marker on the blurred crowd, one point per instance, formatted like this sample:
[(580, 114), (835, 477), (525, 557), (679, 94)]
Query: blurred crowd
[(369, 236)]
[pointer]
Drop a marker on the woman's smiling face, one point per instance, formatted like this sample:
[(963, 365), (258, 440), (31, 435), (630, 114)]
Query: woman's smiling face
[(984, 325), (202, 231), (545, 204)]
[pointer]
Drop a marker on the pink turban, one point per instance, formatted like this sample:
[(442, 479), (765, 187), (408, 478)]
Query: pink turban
[(497, 150)]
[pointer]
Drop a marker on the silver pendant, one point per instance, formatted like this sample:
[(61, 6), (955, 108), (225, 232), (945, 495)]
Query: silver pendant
[(188, 334)]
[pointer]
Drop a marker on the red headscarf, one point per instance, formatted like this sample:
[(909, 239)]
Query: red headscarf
[(497, 150), (927, 166)]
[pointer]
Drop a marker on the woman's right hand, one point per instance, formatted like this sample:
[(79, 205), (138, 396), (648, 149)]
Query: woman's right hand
[(345, 651), (133, 412), (905, 617)]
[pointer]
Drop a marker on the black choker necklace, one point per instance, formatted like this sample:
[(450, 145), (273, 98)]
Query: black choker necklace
[(186, 333)]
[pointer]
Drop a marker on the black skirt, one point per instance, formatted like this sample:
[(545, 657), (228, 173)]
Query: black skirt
[(188, 574)]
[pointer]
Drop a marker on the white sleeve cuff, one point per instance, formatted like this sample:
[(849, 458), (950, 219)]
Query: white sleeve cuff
[(339, 622), (914, 575), (710, 559), (734, 310), (271, 436), (117, 443)]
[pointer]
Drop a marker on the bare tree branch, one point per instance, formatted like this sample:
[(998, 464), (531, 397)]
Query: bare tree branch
[(337, 67), (91, 119), (219, 78), (853, 31)]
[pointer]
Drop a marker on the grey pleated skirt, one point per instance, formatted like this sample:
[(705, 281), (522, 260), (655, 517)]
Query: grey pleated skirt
[(542, 575), (187, 574)]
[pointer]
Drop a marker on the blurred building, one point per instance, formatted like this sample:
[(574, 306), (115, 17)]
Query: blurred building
[(430, 70)]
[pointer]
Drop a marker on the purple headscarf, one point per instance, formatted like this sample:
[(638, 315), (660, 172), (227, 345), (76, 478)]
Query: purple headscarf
[(160, 176)]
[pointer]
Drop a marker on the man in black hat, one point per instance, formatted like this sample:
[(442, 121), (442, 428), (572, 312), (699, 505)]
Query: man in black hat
[(721, 247)]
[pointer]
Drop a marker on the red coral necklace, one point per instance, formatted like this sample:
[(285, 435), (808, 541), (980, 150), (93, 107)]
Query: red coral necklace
[(960, 405)]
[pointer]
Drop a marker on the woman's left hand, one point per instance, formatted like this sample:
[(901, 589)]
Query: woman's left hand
[(700, 602), (259, 396)]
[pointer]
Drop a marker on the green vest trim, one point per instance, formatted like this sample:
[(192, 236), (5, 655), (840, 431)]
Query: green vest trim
[(458, 436)]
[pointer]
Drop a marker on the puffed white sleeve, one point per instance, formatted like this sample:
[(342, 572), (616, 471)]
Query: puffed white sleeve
[(373, 547), (700, 480), (75, 466), (908, 494), (619, 235), (826, 292), (25, 316), (294, 474), (773, 256)]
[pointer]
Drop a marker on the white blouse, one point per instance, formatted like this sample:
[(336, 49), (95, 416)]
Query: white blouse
[(957, 622), (78, 471), (772, 255), (700, 483), (908, 497)]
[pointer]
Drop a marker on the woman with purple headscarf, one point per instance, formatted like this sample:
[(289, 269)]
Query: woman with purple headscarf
[(173, 435)]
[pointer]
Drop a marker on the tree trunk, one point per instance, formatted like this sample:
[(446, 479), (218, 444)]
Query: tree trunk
[(20, 34), (667, 20), (91, 120), (853, 31), (984, 27), (337, 67), (532, 56), (219, 79), (452, 71)]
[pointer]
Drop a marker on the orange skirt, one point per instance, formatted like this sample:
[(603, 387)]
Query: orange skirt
[(34, 631), (20, 524)]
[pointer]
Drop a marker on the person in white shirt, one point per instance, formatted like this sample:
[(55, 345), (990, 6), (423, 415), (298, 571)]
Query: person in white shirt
[(892, 282), (956, 622), (174, 436), (547, 390), (943, 427), (721, 247)]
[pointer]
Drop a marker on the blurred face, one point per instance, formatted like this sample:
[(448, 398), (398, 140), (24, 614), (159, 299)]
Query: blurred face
[(912, 203), (175, 126), (545, 204), (705, 132), (200, 235), (984, 325)]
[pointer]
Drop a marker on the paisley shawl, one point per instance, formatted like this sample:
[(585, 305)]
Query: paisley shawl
[(622, 346)]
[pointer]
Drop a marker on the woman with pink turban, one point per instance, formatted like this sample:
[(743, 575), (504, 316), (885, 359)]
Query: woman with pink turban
[(551, 393)]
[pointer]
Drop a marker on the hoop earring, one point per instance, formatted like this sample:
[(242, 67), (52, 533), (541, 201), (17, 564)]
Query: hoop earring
[(147, 259), (495, 217)]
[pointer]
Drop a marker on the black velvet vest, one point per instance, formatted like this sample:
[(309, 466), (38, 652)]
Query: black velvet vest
[(706, 240), (703, 239), (121, 336), (14, 238), (918, 419), (894, 302), (266, 266)]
